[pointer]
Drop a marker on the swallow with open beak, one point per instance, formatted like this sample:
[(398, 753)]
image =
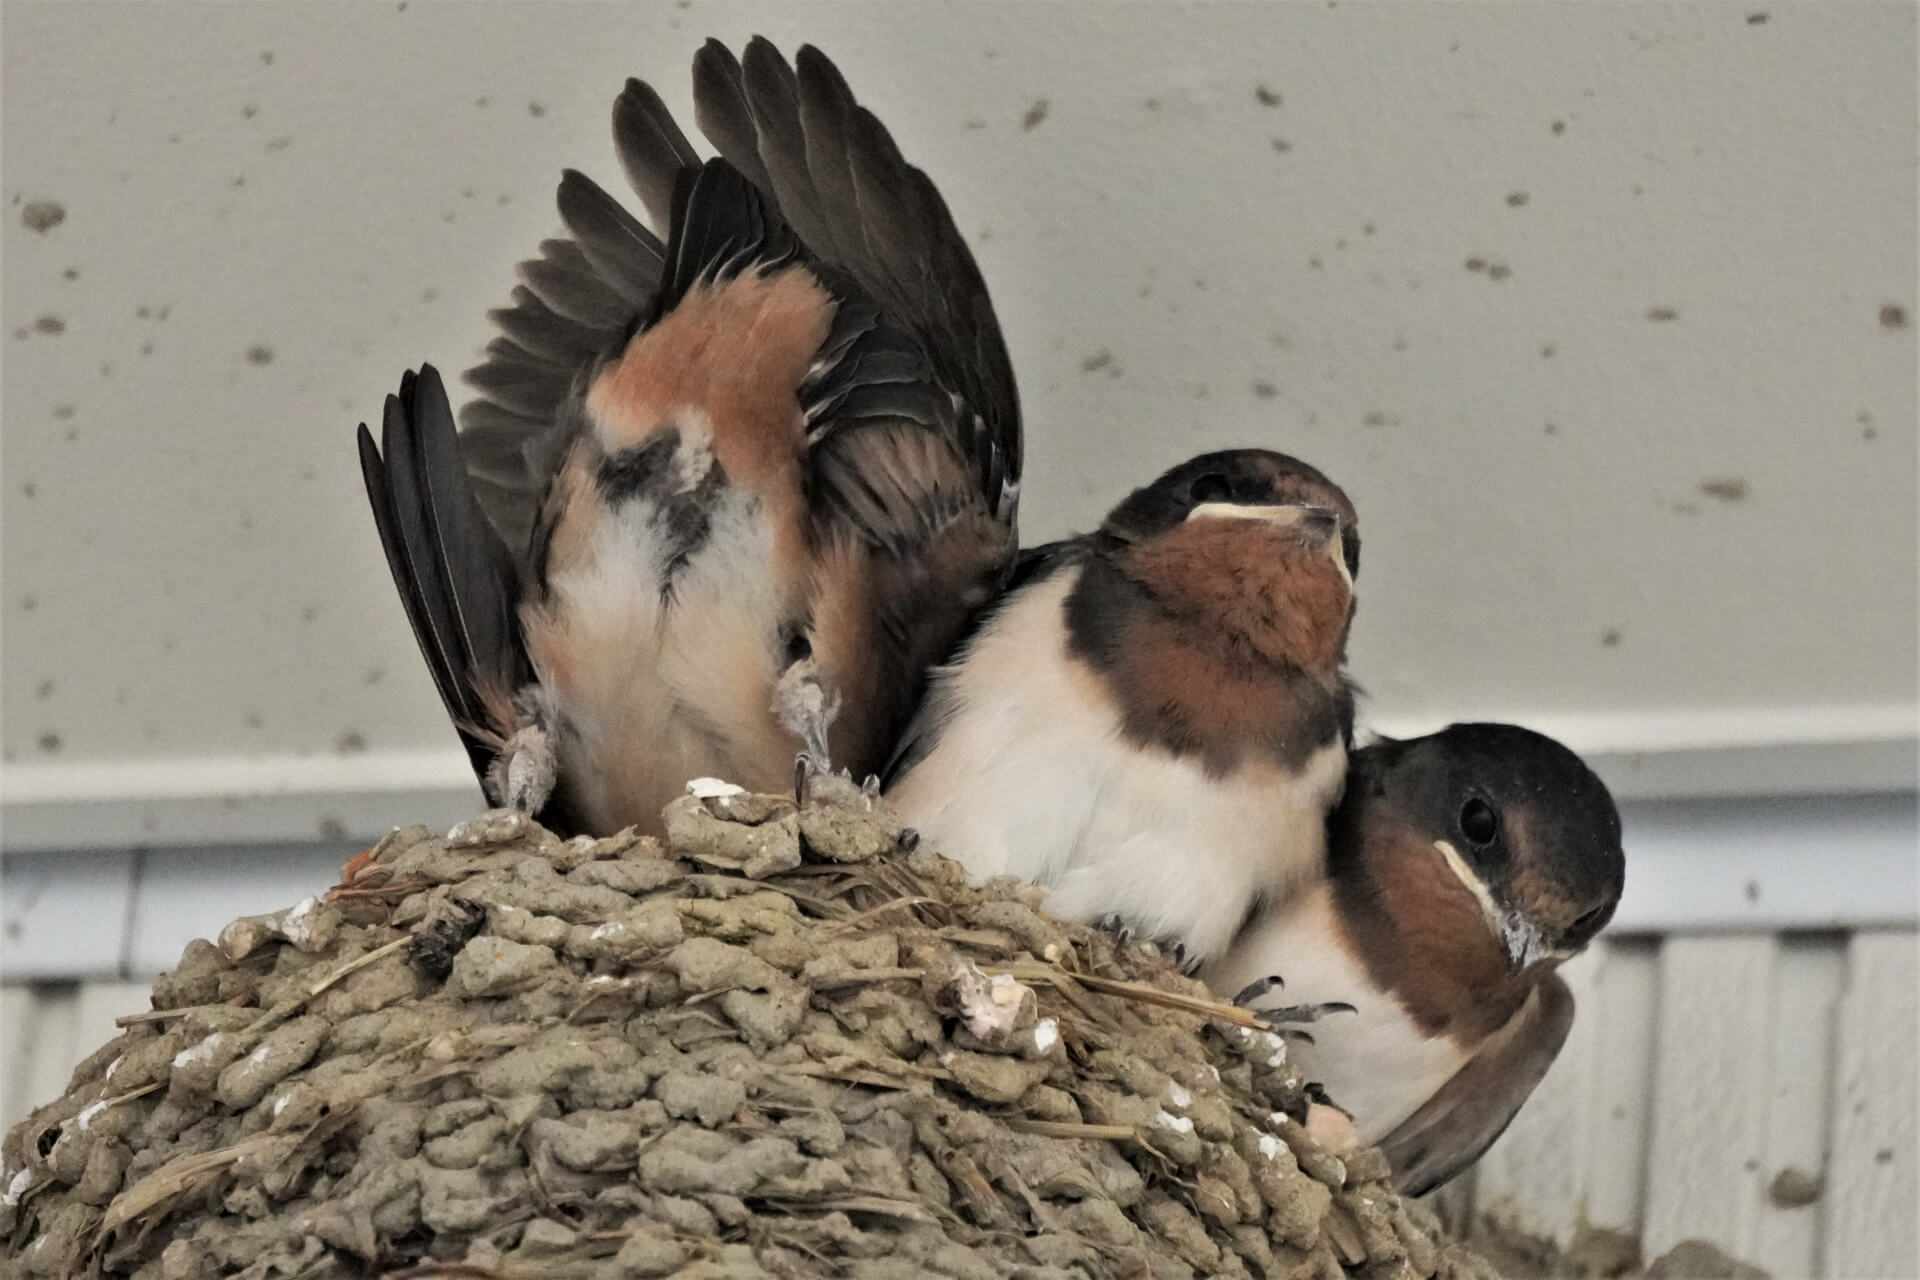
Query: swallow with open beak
[(1462, 868), (727, 491), (1152, 723)]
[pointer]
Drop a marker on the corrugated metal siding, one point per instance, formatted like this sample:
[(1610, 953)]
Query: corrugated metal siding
[(1700, 1066)]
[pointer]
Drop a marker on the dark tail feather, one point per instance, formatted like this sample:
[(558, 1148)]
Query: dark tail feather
[(453, 574), (722, 225)]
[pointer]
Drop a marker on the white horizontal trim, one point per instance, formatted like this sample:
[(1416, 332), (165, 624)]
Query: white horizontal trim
[(198, 777), (1809, 750), (217, 800), (1665, 732), (1702, 865), (271, 800), (1764, 863)]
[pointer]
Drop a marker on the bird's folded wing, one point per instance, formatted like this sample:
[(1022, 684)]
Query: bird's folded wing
[(1454, 1128)]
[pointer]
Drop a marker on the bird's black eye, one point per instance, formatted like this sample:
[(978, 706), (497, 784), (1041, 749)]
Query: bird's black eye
[(1479, 823), (1211, 487)]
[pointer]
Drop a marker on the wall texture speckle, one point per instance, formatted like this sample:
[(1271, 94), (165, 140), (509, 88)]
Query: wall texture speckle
[(1599, 311)]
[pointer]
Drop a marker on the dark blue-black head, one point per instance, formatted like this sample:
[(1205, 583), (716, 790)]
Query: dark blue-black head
[(1521, 820)]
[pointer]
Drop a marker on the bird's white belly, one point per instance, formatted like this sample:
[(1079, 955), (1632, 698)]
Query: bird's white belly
[(1032, 776), (657, 688), (1375, 1063)]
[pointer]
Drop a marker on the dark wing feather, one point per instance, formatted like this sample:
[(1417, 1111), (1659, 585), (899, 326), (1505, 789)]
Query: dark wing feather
[(625, 256), (653, 151), (911, 411), (581, 299), (912, 418), (830, 172), (772, 93), (837, 178), (721, 227), (721, 110), (1454, 1127), (455, 577)]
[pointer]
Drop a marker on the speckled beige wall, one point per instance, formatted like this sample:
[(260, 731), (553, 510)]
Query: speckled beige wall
[(1601, 312)]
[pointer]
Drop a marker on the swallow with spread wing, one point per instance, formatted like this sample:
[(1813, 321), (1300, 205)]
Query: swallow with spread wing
[(723, 499)]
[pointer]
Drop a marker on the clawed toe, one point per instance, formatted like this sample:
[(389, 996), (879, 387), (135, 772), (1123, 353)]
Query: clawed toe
[(1284, 1021), (1307, 1012), (1122, 931), (1258, 988)]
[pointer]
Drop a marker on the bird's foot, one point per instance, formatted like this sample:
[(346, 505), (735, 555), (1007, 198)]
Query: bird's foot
[(523, 775), (815, 782), (1125, 936), (1286, 1019), (1258, 988), (806, 702), (1122, 931)]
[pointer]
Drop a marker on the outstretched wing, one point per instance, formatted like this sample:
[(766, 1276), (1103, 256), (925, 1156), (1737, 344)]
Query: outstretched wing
[(916, 344), (913, 437), (912, 415), (837, 178)]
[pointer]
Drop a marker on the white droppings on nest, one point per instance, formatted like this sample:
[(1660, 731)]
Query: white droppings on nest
[(1276, 1045), (297, 924), (195, 1053), (1167, 1120), (582, 844), (1271, 1147), (1046, 1034), (18, 1187), (280, 1103), (85, 1119), (258, 1056), (713, 788), (989, 1005), (1179, 1095), (113, 1067), (1212, 1070), (1276, 1048), (605, 931)]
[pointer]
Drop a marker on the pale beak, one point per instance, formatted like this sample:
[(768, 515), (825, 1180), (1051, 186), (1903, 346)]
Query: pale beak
[(1524, 944)]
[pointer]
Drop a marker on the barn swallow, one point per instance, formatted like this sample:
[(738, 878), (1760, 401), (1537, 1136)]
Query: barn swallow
[(722, 499), (1462, 868), (1153, 721)]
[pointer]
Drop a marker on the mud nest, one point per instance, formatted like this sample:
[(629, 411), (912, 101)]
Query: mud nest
[(784, 1043)]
